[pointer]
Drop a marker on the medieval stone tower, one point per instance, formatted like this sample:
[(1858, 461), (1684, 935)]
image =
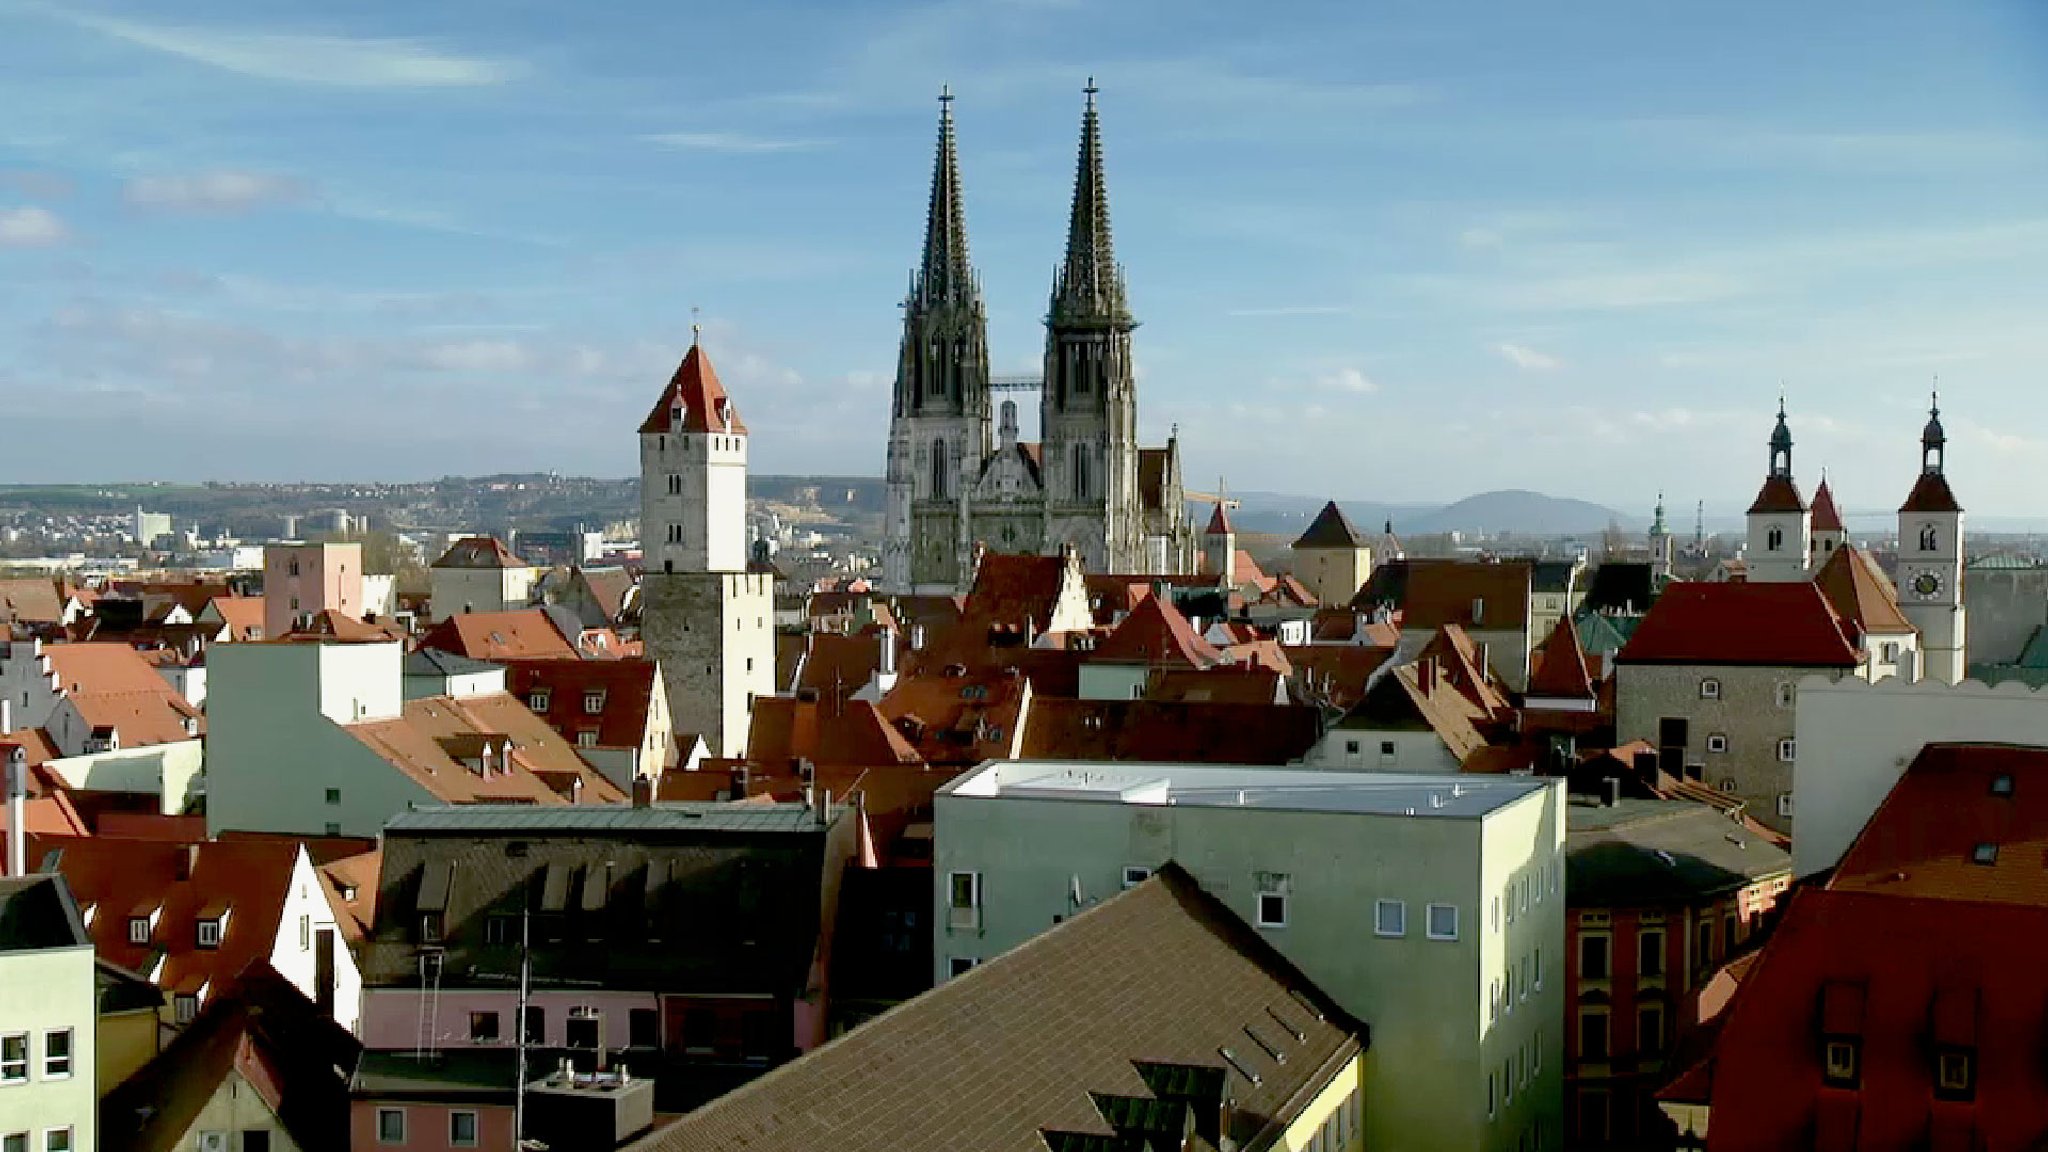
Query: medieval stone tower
[(952, 487), (704, 617), (1930, 573)]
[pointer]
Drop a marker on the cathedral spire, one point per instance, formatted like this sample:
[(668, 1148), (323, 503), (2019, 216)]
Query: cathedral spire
[(1090, 284), (946, 276)]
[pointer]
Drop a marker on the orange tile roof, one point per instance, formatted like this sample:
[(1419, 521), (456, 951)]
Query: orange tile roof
[(522, 634), (1860, 593), (1779, 494), (1931, 494), (837, 661), (1826, 517), (831, 730), (241, 616), (1156, 633), (1558, 666), (958, 719), (354, 876), (479, 552), (1924, 839), (30, 600), (1740, 623), (695, 390), (543, 765)]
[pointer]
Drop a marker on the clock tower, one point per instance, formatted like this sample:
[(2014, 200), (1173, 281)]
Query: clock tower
[(1931, 559)]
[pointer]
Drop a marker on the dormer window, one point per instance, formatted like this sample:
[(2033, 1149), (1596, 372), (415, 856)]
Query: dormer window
[(138, 929), (593, 703), (430, 927), (1839, 1064), (1955, 1074), (210, 932), (1710, 689), (537, 701)]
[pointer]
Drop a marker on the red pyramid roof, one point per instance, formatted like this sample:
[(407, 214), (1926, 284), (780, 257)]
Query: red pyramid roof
[(1825, 516), (1155, 632), (1859, 592), (1779, 494), (1931, 494), (1219, 522), (1559, 665), (696, 390)]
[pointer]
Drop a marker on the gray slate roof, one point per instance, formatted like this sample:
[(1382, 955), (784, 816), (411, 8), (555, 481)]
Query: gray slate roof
[(37, 913), (1642, 852)]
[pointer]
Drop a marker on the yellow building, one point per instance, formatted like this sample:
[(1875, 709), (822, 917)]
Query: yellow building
[(129, 1032)]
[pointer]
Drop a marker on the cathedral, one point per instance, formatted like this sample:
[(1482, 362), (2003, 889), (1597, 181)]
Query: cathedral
[(959, 479)]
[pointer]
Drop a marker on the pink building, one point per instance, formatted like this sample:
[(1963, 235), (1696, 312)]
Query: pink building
[(302, 579)]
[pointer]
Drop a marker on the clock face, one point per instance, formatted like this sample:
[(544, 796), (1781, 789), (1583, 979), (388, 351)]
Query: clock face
[(1927, 585)]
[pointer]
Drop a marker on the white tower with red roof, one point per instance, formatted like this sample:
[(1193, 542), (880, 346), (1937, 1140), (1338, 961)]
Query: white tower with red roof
[(1829, 533), (1780, 524), (1930, 572), (704, 616)]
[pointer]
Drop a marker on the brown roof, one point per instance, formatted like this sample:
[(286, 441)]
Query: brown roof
[(521, 634), (1432, 593), (1224, 684), (431, 741), (626, 689), (479, 552), (352, 892), (112, 686), (1859, 592), (1336, 673), (1739, 623), (1558, 669), (1157, 990), (608, 587), (1331, 529), (1826, 517), (1779, 494), (832, 730), (834, 661), (1931, 494), (1411, 699), (1013, 590), (1926, 838), (241, 616), (701, 399), (958, 718), (1151, 730), (30, 600), (1156, 633)]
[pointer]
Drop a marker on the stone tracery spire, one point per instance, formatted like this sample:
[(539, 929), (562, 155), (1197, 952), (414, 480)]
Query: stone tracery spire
[(1090, 283), (946, 276)]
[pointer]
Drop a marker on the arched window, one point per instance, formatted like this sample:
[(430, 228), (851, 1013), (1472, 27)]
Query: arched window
[(938, 469), (1927, 538), (1775, 539), (1080, 471)]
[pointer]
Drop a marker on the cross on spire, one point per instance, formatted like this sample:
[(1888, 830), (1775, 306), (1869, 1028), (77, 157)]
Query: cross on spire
[(696, 329)]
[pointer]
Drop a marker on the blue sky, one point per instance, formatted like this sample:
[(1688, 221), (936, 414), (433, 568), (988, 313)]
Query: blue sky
[(1390, 250)]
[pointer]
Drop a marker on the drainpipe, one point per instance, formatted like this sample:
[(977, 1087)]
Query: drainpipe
[(17, 811)]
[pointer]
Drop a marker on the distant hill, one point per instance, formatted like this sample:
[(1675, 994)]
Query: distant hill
[(1519, 512)]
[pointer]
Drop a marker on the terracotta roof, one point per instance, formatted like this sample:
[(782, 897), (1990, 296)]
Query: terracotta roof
[(1771, 625), (522, 634), (1148, 730), (695, 390), (1079, 1038), (958, 719), (30, 600), (1931, 494), (113, 687), (608, 587), (293, 1059), (831, 730), (1779, 494), (1246, 573), (1925, 838), (1219, 522), (1826, 517), (834, 661), (1331, 529), (1335, 673), (139, 878), (1156, 633), (352, 892), (479, 552), (433, 731), (626, 689), (240, 616), (1223, 684), (1860, 594), (1462, 666), (1406, 699), (1432, 593), (1557, 669), (102, 668), (1014, 590)]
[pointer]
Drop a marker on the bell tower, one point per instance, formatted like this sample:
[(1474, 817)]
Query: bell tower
[(1780, 524), (1931, 558)]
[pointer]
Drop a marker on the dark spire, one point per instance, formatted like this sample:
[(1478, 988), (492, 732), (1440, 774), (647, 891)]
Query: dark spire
[(1781, 443), (946, 275), (1090, 284), (1933, 440)]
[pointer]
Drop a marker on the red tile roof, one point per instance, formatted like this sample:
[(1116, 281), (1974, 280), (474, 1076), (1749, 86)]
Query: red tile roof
[(830, 730), (703, 404), (523, 634), (436, 739), (1931, 494), (1860, 594), (479, 552), (1557, 669), (1335, 673), (241, 616), (1156, 633), (1826, 517), (1770, 625), (1923, 840), (1432, 593), (1014, 590), (833, 661), (958, 719), (1219, 522), (1779, 494), (1224, 684), (114, 687), (625, 689)]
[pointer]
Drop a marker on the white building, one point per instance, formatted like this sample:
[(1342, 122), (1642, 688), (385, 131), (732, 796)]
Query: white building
[(1930, 575), (48, 1018), (478, 574), (1780, 522), (1427, 906)]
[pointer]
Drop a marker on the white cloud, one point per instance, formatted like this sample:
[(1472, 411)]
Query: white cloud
[(31, 228), (1477, 238), (736, 142), (221, 191), (1528, 359), (478, 356), (293, 58), (1348, 380)]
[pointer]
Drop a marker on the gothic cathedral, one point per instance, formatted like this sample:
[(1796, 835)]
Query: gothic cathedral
[(959, 479)]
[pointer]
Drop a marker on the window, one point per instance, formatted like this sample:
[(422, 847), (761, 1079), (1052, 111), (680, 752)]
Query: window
[(1351, 747), (305, 933), (1442, 922), (585, 1028), (963, 897), (1525, 978), (14, 1142), (1593, 1034), (1984, 854), (1536, 963), (59, 1139), (1390, 918), (390, 1125), (1594, 952), (1787, 693), (14, 1058), (1272, 909), (536, 701), (1955, 1074), (1492, 1091), (1787, 749), (959, 965), (462, 1129), (1889, 653), (643, 1028), (185, 1007), (1717, 743), (57, 1054), (536, 1024), (1649, 1029), (1838, 1063), (1710, 689), (1495, 914), (1650, 954), (483, 1027), (593, 703), (1785, 805), (1727, 784), (209, 933), (1703, 948), (586, 739), (2001, 784), (333, 828), (1135, 874), (138, 929), (1386, 747)]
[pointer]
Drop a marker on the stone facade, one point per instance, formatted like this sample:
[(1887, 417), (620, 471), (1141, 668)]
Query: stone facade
[(714, 636), (1752, 712)]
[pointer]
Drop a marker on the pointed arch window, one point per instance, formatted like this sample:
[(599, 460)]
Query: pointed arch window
[(938, 469), (1080, 454), (1929, 539), (1775, 539)]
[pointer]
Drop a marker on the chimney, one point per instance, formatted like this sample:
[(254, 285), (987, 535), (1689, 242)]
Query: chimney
[(643, 791), (17, 811), (887, 639), (824, 806), (1611, 791), (917, 637)]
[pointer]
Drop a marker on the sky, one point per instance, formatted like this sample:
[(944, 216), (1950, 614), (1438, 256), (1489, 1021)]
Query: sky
[(1390, 250)]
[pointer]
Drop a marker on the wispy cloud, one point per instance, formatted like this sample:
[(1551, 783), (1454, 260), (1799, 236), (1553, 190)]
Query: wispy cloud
[(1528, 359), (220, 192), (300, 58), (31, 228), (37, 185), (1348, 380), (737, 142)]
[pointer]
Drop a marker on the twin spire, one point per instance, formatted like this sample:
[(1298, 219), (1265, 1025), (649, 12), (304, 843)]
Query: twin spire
[(1088, 284)]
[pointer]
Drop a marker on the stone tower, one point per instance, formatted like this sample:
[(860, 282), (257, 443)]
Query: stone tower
[(1219, 543), (1780, 525), (1660, 547), (1089, 408), (939, 427), (705, 618), (1931, 559)]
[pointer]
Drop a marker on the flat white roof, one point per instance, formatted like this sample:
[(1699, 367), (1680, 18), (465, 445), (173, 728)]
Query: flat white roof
[(1249, 786)]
